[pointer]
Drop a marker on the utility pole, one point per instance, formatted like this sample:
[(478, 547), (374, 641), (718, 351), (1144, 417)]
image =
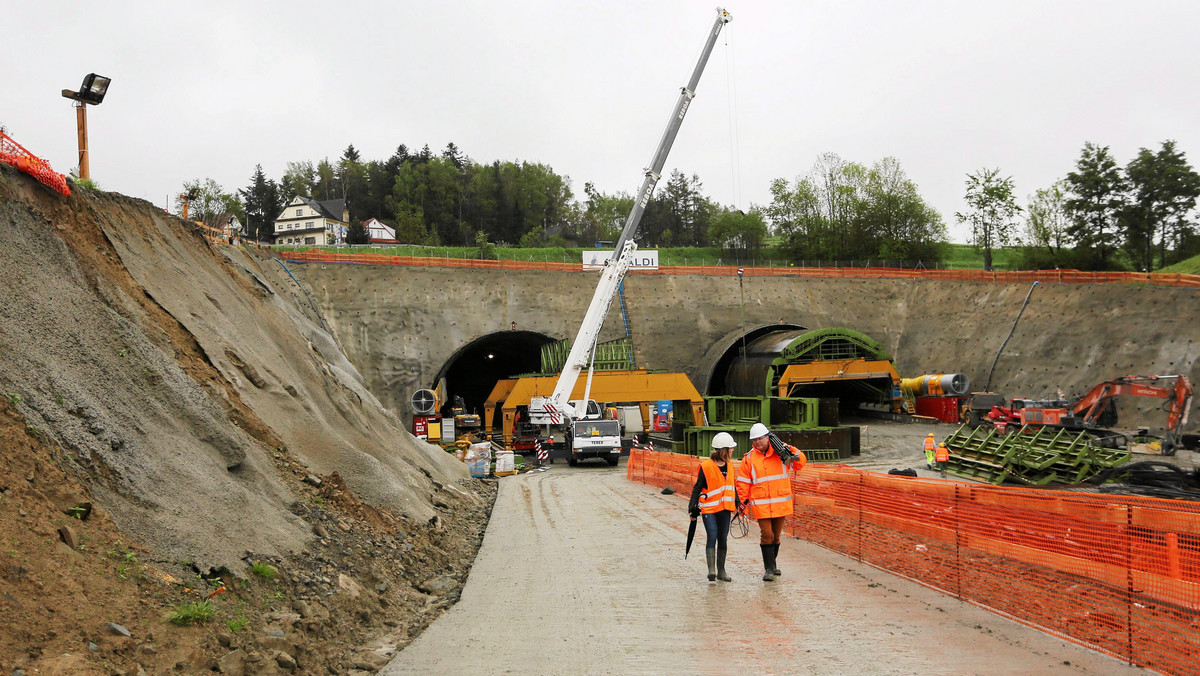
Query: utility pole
[(92, 91)]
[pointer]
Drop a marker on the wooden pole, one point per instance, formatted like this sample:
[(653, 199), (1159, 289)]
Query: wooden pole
[(81, 123)]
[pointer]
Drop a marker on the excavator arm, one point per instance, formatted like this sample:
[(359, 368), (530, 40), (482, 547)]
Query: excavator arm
[(1178, 398)]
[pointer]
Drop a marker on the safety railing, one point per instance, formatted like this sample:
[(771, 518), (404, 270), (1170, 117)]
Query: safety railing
[(1117, 574), (992, 276)]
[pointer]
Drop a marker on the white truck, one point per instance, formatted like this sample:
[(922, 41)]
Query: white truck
[(594, 439), (556, 410)]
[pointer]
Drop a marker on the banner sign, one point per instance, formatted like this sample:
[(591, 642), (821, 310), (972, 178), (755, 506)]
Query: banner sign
[(643, 259)]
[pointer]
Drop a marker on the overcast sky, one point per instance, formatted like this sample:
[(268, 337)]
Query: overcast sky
[(209, 89)]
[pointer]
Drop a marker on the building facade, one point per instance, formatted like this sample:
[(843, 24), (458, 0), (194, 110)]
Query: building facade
[(306, 221)]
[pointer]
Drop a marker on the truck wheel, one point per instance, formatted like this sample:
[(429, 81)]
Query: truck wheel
[(572, 462), (613, 461)]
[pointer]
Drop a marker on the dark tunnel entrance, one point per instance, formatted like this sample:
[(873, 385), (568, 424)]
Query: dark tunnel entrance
[(473, 370)]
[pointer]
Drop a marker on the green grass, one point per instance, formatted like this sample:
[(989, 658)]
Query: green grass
[(264, 570), (197, 612), (1189, 266), (237, 624), (967, 257)]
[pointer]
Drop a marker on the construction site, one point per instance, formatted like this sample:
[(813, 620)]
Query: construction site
[(223, 457), (180, 413)]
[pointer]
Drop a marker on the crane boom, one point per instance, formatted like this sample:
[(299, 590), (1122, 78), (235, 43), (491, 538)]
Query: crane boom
[(556, 408)]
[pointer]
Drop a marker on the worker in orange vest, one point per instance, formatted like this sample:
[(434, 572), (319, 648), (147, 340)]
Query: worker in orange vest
[(941, 457), (930, 447), (764, 485), (714, 497)]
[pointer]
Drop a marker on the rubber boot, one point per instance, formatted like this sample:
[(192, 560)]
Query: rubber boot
[(768, 564), (710, 555), (775, 560), (721, 574)]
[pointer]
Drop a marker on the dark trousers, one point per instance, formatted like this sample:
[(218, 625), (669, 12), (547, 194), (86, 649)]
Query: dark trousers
[(770, 530), (716, 527)]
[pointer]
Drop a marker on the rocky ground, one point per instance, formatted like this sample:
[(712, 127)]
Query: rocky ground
[(192, 476), (77, 597)]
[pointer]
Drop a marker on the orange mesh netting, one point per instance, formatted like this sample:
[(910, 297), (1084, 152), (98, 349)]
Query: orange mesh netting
[(996, 276), (1119, 574), (13, 153)]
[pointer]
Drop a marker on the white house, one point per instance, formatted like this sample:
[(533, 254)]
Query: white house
[(380, 232), (307, 221)]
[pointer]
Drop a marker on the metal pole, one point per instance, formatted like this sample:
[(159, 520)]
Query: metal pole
[(81, 123)]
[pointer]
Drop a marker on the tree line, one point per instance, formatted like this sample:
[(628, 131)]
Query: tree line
[(1100, 216)]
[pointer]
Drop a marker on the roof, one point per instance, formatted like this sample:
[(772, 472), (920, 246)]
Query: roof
[(331, 209)]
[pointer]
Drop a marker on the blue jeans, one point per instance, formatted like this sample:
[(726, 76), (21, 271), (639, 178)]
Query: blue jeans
[(716, 527)]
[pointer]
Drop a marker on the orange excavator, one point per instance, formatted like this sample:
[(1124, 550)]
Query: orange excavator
[(1096, 410)]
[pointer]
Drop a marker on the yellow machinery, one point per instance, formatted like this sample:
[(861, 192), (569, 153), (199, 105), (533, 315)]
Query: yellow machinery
[(506, 408)]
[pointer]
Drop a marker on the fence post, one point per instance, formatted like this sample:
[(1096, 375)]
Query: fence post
[(1128, 534), (858, 525), (957, 543)]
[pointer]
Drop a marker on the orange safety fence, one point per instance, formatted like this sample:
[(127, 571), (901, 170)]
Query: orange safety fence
[(1118, 574), (992, 276)]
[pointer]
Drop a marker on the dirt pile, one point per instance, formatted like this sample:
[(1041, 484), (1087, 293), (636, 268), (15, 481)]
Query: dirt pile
[(194, 397)]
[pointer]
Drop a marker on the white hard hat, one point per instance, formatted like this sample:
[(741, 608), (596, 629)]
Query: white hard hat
[(723, 440), (758, 430)]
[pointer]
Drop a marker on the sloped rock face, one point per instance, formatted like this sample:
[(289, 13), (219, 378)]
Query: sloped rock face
[(174, 373)]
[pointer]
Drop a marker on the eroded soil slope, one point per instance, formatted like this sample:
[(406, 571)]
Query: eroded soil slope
[(173, 412)]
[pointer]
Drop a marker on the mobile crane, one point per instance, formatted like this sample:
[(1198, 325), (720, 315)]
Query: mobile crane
[(557, 409)]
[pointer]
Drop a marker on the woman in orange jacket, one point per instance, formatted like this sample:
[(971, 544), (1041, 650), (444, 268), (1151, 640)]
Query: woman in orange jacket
[(715, 498), (763, 484)]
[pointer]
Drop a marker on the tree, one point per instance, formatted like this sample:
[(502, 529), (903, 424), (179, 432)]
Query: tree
[(357, 233), (299, 179), (843, 210), (1095, 199), (262, 204), (992, 209), (895, 222), (738, 232), (1046, 239), (211, 201), (1163, 189)]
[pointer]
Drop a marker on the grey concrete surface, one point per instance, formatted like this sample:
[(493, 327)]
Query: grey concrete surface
[(582, 572)]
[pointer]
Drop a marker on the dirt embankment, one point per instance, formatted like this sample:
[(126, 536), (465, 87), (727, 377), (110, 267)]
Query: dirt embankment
[(172, 413)]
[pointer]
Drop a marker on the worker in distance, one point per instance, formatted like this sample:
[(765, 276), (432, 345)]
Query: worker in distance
[(763, 484), (714, 497)]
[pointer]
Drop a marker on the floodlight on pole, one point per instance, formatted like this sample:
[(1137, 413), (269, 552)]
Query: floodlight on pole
[(187, 197), (92, 91)]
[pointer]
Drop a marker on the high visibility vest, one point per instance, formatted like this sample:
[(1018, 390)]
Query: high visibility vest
[(763, 484), (941, 454), (719, 492), (930, 447)]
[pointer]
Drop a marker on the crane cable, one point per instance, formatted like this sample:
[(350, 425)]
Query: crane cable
[(735, 166)]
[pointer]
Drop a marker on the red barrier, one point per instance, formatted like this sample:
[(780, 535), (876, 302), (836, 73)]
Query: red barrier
[(1117, 574), (993, 276)]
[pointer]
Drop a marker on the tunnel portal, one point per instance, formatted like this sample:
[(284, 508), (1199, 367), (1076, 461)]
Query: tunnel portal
[(760, 364), (473, 370)]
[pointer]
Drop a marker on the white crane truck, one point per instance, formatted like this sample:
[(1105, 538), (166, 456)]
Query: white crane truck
[(557, 410)]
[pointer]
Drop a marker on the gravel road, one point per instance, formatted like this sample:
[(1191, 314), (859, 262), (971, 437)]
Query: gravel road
[(582, 572)]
